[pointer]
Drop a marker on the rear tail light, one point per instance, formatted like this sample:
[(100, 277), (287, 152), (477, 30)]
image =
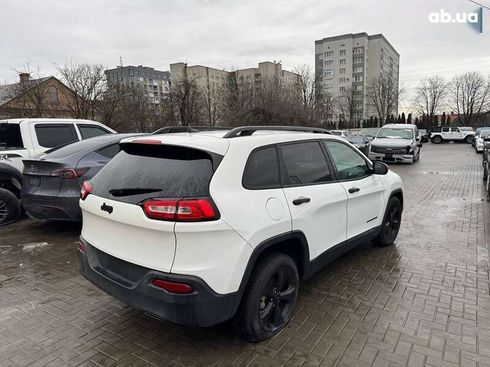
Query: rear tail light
[(173, 287), (81, 247), (68, 173), (86, 189), (185, 210)]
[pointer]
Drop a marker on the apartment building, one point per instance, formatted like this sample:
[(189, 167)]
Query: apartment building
[(208, 77), (154, 83), (348, 62)]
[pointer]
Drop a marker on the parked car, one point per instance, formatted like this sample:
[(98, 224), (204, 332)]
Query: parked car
[(424, 135), (477, 134), (343, 133), (361, 142), (486, 163), (26, 138), (480, 140), (369, 132), (456, 134), (199, 228), (52, 183), (396, 143)]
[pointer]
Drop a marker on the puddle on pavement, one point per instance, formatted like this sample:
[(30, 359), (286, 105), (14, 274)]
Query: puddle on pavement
[(28, 247)]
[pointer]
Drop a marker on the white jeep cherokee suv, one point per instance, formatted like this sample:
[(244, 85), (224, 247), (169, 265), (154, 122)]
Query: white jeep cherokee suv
[(199, 228)]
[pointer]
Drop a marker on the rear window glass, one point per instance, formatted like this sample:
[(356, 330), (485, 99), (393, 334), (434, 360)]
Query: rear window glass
[(141, 171), (50, 136), (10, 137), (262, 170)]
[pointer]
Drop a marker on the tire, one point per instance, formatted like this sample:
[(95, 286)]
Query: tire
[(437, 139), (9, 207), (485, 173), (469, 139), (391, 223), (267, 305)]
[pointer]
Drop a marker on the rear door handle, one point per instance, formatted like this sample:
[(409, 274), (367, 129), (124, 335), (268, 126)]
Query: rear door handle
[(354, 189), (301, 200)]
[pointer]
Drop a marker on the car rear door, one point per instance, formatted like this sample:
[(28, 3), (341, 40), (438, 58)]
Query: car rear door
[(317, 204), (115, 217), (365, 190), (45, 135)]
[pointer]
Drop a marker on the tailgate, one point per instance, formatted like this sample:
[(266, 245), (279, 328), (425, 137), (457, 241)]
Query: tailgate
[(40, 177), (126, 233)]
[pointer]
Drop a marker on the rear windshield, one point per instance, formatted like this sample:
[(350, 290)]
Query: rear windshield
[(10, 137), (142, 171)]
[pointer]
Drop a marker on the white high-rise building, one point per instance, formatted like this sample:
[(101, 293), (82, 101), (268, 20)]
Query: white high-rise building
[(349, 62)]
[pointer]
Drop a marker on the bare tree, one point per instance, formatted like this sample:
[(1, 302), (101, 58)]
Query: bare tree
[(347, 103), (471, 96), (187, 99), (430, 95), (87, 85), (112, 104), (383, 94), (212, 102)]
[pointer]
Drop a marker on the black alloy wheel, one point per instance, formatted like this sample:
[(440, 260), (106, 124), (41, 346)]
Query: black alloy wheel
[(270, 298)]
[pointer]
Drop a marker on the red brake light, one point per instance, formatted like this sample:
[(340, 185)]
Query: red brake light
[(81, 247), (179, 210), (160, 209), (173, 287), (147, 141), (86, 189), (68, 173)]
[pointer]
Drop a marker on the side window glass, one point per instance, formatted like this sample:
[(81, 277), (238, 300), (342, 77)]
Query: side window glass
[(50, 136), (350, 165), (89, 131), (305, 163), (262, 170), (110, 151)]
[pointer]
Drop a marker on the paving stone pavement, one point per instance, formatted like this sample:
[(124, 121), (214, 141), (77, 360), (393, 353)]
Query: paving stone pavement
[(423, 302)]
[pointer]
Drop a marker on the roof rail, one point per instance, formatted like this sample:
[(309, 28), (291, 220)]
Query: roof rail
[(249, 130), (187, 129)]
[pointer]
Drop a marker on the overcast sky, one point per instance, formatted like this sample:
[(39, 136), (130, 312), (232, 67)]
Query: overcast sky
[(233, 33)]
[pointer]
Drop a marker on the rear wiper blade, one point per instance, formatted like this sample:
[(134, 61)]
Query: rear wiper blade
[(129, 192)]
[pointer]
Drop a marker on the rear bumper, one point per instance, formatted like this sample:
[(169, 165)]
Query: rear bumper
[(132, 285), (393, 158), (52, 207)]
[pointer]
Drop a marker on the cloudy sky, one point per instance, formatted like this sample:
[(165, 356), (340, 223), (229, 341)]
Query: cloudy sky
[(233, 33)]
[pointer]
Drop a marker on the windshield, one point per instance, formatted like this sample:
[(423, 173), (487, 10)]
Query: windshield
[(395, 133)]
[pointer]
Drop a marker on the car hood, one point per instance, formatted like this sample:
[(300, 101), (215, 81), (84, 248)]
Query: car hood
[(390, 142)]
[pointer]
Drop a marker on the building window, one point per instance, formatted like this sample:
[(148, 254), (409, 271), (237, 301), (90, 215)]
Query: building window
[(342, 89), (358, 69), (328, 72), (53, 97), (358, 87), (342, 80), (358, 78), (329, 54), (342, 52), (357, 60), (342, 45), (342, 61), (342, 71), (329, 63), (131, 72), (358, 51)]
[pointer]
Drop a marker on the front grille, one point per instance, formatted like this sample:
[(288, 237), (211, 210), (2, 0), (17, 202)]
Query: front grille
[(385, 150)]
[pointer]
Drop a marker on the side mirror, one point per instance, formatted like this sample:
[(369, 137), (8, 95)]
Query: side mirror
[(380, 168), (420, 145)]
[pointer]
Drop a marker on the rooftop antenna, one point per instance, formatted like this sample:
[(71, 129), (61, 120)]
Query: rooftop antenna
[(120, 61)]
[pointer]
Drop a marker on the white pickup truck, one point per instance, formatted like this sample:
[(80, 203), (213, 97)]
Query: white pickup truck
[(446, 133), (26, 138)]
